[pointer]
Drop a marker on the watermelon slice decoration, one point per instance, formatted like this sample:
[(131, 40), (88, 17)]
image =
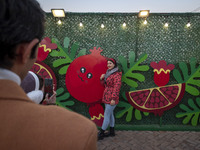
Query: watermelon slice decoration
[(156, 100)]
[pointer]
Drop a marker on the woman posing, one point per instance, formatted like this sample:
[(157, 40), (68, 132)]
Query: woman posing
[(112, 80)]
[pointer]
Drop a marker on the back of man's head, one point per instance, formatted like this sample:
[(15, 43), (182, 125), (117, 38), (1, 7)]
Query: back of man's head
[(21, 21)]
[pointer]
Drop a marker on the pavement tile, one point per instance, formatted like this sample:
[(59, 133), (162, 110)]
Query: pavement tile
[(151, 140)]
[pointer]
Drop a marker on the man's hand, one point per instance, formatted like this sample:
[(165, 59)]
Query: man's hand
[(52, 99)]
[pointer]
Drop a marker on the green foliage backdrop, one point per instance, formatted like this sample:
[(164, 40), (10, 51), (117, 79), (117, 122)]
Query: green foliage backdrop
[(150, 42)]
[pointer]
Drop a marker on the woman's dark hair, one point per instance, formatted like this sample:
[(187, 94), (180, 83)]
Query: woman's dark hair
[(113, 61), (20, 21)]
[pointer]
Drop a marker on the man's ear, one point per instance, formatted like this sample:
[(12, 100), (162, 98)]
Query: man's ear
[(24, 50)]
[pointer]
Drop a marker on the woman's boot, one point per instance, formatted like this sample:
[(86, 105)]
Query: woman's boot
[(112, 131), (101, 134)]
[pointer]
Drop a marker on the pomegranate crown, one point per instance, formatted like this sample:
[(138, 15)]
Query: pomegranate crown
[(96, 51), (162, 65), (47, 41)]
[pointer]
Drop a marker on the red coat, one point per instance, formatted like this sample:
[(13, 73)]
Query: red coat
[(112, 88)]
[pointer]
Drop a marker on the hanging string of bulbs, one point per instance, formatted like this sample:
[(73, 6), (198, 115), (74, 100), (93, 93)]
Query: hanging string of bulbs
[(60, 13), (145, 22)]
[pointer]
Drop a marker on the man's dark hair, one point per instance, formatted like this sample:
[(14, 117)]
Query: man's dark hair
[(20, 21)]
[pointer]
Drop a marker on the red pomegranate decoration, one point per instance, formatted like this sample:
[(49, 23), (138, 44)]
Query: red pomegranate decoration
[(45, 47), (161, 72), (157, 99), (44, 71), (96, 112), (83, 81), (40, 67)]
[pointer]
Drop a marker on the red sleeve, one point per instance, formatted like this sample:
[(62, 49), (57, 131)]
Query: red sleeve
[(117, 86)]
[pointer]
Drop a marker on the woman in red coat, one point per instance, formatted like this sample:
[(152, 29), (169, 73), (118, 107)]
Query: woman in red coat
[(112, 80)]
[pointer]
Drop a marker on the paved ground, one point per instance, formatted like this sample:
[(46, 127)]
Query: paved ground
[(151, 140)]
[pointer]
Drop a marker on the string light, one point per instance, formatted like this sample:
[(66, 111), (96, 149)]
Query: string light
[(59, 22), (81, 24), (188, 24), (124, 24), (102, 25), (166, 25), (145, 22)]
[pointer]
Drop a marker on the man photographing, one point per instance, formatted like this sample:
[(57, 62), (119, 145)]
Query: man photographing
[(25, 125)]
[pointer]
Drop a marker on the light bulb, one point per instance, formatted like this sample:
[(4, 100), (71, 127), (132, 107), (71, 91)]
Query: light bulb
[(102, 25), (145, 22), (188, 24), (80, 24), (166, 25), (124, 24), (59, 22)]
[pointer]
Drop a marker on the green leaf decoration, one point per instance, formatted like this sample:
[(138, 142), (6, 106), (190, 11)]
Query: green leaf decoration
[(64, 55), (81, 53), (66, 42), (138, 115), (123, 93), (190, 77), (128, 109), (130, 76), (190, 113), (61, 98), (74, 48), (146, 113)]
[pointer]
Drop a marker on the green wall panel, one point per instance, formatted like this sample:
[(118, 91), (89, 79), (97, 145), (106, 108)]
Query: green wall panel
[(174, 44)]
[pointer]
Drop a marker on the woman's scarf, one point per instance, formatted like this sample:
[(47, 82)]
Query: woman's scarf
[(109, 72)]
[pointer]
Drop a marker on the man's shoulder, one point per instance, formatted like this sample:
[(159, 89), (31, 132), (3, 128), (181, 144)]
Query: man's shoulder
[(63, 112), (45, 121), (57, 114), (71, 122)]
